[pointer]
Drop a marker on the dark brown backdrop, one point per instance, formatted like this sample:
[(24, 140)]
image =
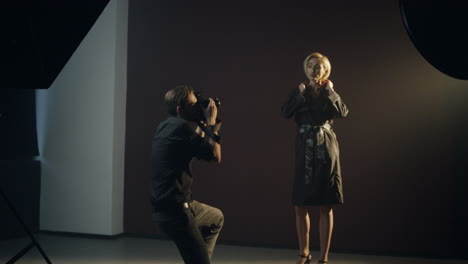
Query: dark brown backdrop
[(401, 145)]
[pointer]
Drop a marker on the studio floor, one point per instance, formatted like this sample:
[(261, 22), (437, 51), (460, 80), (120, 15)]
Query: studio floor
[(126, 250)]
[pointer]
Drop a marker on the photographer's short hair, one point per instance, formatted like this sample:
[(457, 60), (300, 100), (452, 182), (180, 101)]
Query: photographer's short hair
[(176, 97)]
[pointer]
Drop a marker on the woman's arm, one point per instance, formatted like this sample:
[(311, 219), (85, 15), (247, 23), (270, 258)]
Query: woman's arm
[(337, 106), (294, 101)]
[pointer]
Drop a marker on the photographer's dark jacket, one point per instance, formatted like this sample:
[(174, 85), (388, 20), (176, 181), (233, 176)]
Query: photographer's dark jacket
[(175, 143), (317, 174)]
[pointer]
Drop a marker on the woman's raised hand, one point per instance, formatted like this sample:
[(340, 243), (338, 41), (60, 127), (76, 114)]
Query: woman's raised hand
[(302, 88), (329, 87)]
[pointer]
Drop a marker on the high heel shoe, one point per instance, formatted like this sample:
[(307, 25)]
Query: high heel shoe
[(322, 262), (308, 258)]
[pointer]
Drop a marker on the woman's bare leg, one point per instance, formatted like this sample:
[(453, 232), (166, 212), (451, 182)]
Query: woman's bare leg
[(303, 228), (326, 229)]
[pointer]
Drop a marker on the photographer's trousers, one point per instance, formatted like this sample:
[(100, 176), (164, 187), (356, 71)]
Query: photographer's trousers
[(194, 229)]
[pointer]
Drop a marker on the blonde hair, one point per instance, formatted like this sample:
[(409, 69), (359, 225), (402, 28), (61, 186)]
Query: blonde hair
[(323, 60)]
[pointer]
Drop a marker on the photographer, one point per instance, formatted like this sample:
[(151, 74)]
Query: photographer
[(190, 131)]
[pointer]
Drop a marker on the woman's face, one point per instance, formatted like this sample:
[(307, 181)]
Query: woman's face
[(315, 70)]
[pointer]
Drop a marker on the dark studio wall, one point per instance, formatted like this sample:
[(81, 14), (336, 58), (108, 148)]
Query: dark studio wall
[(401, 144)]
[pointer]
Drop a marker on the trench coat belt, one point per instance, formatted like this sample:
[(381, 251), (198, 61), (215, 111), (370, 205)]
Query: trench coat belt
[(307, 127), (311, 162)]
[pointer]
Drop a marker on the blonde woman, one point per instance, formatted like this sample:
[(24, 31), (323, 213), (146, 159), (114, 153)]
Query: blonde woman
[(317, 176)]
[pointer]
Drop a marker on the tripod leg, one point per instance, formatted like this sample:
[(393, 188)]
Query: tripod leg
[(20, 254), (26, 229), (44, 255)]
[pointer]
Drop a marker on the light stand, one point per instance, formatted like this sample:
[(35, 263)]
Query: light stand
[(33, 243)]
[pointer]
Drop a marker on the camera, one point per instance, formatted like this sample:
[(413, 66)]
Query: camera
[(204, 102)]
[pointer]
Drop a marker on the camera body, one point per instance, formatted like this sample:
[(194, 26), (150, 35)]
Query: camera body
[(203, 103)]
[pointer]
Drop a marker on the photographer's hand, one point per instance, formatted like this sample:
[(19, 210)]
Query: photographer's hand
[(211, 112)]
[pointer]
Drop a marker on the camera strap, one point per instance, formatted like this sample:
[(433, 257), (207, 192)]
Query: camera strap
[(210, 131)]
